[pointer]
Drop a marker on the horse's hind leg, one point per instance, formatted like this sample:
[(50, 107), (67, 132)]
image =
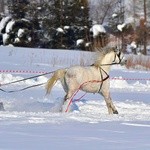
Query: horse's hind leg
[(66, 103), (111, 108)]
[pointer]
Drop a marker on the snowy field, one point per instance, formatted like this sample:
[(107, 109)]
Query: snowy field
[(31, 120)]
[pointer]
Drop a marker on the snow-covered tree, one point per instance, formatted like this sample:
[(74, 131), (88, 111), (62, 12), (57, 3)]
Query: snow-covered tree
[(116, 20), (83, 22), (101, 10), (18, 28), (17, 32), (142, 23), (67, 21)]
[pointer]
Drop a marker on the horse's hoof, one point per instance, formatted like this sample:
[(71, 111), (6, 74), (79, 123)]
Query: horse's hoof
[(115, 112)]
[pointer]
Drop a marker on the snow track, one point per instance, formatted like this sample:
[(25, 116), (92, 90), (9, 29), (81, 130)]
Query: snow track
[(88, 111), (32, 106)]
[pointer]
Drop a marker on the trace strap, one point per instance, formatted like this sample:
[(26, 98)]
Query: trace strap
[(13, 91), (92, 81), (26, 78)]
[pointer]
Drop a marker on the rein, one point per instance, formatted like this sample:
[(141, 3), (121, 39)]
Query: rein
[(13, 91)]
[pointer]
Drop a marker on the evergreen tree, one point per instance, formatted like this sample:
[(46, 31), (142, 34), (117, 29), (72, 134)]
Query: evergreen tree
[(117, 23), (82, 22), (53, 24), (18, 8), (117, 17), (20, 31), (71, 22)]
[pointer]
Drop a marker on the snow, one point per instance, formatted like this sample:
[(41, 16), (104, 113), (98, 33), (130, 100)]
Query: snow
[(66, 27), (39, 8), (114, 15), (79, 41), (82, 7), (3, 22), (97, 29), (5, 38), (60, 30), (9, 26), (29, 39), (20, 32), (133, 45), (17, 40), (26, 20), (121, 26), (32, 121), (87, 44)]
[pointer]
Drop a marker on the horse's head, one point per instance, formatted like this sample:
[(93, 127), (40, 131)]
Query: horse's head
[(119, 57), (110, 56)]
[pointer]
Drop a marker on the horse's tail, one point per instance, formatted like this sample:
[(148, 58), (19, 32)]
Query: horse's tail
[(56, 76)]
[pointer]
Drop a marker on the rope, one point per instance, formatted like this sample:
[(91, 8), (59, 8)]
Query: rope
[(92, 81), (27, 78), (114, 78), (13, 91)]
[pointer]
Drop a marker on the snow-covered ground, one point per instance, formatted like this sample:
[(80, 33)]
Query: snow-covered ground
[(32, 121)]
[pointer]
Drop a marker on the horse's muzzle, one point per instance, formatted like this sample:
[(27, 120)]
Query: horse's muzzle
[(123, 61)]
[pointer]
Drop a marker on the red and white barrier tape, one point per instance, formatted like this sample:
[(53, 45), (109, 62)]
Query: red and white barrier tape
[(42, 72), (131, 79), (22, 71), (71, 100)]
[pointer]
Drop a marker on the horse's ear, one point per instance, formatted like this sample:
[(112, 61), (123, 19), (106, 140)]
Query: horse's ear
[(116, 49)]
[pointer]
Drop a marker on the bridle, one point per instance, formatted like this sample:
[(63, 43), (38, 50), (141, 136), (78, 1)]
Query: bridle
[(114, 61), (102, 70), (117, 55)]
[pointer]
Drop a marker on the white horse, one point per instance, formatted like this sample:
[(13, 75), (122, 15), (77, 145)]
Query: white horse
[(92, 79)]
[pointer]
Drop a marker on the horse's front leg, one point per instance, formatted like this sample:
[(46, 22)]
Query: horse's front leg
[(111, 108)]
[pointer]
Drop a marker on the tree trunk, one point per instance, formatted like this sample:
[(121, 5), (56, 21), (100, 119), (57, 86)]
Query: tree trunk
[(2, 6), (145, 34)]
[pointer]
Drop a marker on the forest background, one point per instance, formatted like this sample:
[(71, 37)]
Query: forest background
[(76, 24)]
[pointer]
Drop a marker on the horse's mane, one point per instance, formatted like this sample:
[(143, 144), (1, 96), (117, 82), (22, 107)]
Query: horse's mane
[(100, 54)]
